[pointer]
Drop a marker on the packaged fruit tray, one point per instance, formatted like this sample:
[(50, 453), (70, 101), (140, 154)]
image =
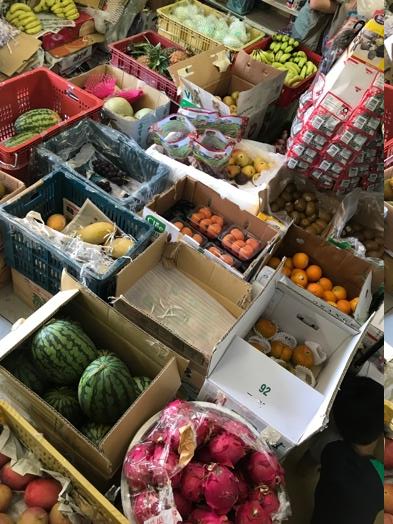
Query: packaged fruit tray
[(288, 94), (90, 500), (170, 26), (30, 91), (43, 263), (140, 67)]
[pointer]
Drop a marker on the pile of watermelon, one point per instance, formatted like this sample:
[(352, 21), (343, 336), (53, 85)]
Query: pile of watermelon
[(90, 388)]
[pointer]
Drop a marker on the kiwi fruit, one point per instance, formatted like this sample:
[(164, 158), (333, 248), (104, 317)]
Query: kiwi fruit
[(310, 208), (305, 222), (309, 197), (296, 217), (324, 215), (296, 195), (289, 207), (300, 204), (286, 196)]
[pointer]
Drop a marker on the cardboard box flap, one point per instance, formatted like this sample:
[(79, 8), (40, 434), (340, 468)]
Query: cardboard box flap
[(253, 71), (241, 375), (18, 51), (35, 321)]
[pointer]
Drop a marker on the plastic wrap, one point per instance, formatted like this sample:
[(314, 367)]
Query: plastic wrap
[(182, 306), (202, 464), (79, 146), (359, 225)]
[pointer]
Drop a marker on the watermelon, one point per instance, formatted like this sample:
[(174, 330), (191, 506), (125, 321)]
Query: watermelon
[(95, 432), (140, 384), (65, 401), (24, 370), (106, 390), (18, 139), (62, 351), (36, 121)]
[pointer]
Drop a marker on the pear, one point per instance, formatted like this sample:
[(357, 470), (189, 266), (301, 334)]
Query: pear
[(249, 171), (241, 159), (228, 100), (233, 109), (232, 171), (235, 95)]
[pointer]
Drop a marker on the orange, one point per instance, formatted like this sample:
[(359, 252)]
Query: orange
[(314, 273), (287, 272), (303, 356), (300, 260), (326, 283), (281, 351), (274, 262), (340, 292), (299, 277), (331, 303), (288, 263), (354, 303), (315, 289), (266, 328), (329, 296), (344, 306)]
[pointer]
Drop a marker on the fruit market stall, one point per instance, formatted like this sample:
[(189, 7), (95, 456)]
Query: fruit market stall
[(192, 254)]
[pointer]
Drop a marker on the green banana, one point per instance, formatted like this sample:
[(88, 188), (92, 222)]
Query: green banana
[(303, 72), (284, 58), (278, 56)]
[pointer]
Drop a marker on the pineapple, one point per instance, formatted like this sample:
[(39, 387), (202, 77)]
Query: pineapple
[(177, 56), (143, 60)]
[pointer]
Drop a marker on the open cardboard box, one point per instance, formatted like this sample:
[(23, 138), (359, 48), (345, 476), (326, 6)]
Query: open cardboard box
[(233, 293), (13, 187), (269, 396), (341, 266), (209, 74), (145, 356), (201, 195), (152, 99)]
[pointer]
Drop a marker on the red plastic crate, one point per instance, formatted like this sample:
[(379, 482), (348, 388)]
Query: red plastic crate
[(37, 89), (388, 120), (128, 64), (290, 94)]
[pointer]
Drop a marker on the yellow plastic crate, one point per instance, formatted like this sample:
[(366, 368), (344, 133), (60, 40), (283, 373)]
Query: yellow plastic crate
[(173, 29), (388, 414), (89, 500)]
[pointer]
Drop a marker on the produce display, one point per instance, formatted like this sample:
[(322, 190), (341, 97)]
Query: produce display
[(283, 54), (30, 124), (61, 8), (303, 208), (22, 16), (64, 367), (309, 276), (231, 101), (243, 169), (208, 465), (372, 239), (156, 57)]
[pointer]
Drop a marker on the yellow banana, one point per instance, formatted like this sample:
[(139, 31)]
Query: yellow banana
[(19, 7)]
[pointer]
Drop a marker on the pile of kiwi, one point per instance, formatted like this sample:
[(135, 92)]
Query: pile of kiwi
[(388, 189), (303, 208), (372, 239)]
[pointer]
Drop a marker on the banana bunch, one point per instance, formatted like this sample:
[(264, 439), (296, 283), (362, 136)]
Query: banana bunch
[(21, 16), (282, 55), (61, 8)]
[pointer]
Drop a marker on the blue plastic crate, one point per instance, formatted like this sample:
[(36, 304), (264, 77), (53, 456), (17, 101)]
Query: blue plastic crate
[(34, 257), (116, 147)]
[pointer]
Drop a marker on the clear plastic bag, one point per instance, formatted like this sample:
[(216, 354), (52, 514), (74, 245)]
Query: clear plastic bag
[(199, 463), (181, 306)]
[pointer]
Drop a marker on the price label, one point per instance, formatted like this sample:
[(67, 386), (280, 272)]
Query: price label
[(265, 390), (157, 224)]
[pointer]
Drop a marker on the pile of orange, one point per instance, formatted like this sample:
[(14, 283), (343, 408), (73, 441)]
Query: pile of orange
[(310, 277)]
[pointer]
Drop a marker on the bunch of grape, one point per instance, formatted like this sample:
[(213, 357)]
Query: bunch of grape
[(110, 171)]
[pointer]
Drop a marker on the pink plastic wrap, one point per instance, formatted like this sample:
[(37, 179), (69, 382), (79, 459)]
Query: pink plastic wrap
[(202, 465)]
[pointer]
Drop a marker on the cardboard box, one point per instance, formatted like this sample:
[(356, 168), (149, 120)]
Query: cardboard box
[(277, 402), (388, 261), (13, 187), (206, 75), (229, 290), (73, 47), (341, 266), (389, 227), (84, 25), (29, 292), (201, 195), (110, 330), (17, 53), (152, 98)]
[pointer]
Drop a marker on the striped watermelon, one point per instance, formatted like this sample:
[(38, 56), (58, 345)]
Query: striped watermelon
[(65, 401), (62, 351), (36, 120), (106, 390), (140, 384), (24, 370), (95, 432), (18, 139)]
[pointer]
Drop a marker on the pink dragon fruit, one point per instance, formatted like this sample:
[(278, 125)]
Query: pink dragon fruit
[(270, 503), (243, 488), (206, 516), (137, 466), (227, 449), (221, 489), (251, 512), (193, 481), (203, 455), (183, 505), (146, 505), (240, 430), (263, 468), (176, 480), (165, 463), (174, 408), (203, 429)]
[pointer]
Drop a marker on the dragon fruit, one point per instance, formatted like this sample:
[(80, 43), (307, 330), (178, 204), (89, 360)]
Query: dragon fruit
[(203, 455), (263, 468), (221, 489), (136, 466), (243, 488), (270, 503), (206, 516), (203, 430), (251, 512), (174, 408), (193, 481), (227, 449), (240, 430), (183, 505), (176, 480), (165, 463), (146, 505)]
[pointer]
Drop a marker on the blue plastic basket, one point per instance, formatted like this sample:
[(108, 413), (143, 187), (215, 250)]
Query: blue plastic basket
[(34, 257), (118, 148)]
